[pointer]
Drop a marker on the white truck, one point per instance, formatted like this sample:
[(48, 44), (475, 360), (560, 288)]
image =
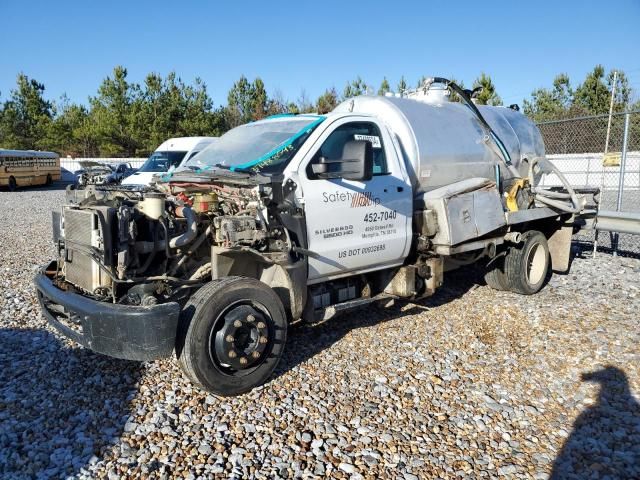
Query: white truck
[(169, 155), (298, 217)]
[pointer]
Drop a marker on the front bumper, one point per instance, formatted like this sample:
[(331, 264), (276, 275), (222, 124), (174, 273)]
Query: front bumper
[(120, 331)]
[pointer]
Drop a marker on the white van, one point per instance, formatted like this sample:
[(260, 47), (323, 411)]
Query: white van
[(171, 153)]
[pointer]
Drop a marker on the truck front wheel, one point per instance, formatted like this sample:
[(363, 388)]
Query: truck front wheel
[(232, 335), (526, 265)]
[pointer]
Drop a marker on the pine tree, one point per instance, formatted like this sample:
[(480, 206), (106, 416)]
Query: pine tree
[(354, 88), (594, 94), (327, 101), (402, 86), (488, 95), (26, 117), (384, 87), (259, 99), (549, 104)]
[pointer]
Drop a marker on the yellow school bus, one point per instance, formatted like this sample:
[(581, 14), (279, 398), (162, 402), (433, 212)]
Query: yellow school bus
[(21, 168)]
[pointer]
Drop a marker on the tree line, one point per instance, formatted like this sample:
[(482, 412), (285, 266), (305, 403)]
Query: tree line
[(127, 119), (591, 97)]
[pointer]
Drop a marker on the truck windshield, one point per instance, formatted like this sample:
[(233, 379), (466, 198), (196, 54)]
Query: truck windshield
[(265, 145), (162, 161)]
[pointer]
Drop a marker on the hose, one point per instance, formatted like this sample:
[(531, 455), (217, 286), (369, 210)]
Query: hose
[(152, 254), (94, 254), (492, 134), (305, 252), (201, 272), (191, 233), (555, 204), (553, 199), (461, 261), (544, 196), (193, 248), (552, 193)]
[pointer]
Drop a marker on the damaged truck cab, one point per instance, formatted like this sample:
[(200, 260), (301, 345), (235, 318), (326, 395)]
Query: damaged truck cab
[(300, 217)]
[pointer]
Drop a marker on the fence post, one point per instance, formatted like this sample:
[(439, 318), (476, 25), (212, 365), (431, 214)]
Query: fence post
[(623, 164), (606, 150)]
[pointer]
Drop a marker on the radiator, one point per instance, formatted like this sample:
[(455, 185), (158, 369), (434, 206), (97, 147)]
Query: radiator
[(82, 233)]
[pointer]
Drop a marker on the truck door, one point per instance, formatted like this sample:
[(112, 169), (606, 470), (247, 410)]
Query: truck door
[(351, 225)]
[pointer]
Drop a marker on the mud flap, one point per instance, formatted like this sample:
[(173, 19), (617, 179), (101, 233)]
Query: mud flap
[(560, 247)]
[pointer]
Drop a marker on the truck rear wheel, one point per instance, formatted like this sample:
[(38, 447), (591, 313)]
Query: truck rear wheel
[(495, 276), (526, 265), (232, 335), (13, 185)]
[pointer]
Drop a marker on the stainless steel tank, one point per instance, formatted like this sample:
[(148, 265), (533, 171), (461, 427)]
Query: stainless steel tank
[(444, 143)]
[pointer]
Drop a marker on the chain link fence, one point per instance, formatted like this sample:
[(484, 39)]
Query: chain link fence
[(577, 147)]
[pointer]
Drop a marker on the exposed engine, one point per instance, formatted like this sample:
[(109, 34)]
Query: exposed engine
[(143, 246)]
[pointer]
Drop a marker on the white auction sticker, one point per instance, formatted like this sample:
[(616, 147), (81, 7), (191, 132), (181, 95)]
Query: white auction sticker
[(374, 139)]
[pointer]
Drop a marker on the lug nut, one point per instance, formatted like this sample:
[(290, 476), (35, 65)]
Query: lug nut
[(232, 354), (230, 338), (263, 340), (250, 318), (261, 325), (243, 361), (255, 354), (237, 324)]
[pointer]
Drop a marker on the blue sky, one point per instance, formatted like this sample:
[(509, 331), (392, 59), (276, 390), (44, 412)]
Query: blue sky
[(71, 46)]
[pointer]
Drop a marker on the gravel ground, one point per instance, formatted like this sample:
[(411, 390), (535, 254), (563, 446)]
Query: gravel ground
[(471, 383)]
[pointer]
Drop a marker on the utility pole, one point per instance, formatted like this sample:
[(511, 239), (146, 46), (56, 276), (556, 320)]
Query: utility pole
[(613, 95), (623, 163), (606, 150)]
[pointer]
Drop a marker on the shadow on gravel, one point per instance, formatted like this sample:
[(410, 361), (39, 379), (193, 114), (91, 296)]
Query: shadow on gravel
[(306, 341), (39, 188), (605, 441), (59, 407)]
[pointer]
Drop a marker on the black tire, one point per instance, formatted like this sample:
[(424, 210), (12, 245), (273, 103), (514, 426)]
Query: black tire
[(526, 265), (13, 185), (495, 276), (223, 323), (49, 179)]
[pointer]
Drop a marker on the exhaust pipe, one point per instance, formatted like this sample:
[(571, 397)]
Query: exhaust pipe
[(513, 237)]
